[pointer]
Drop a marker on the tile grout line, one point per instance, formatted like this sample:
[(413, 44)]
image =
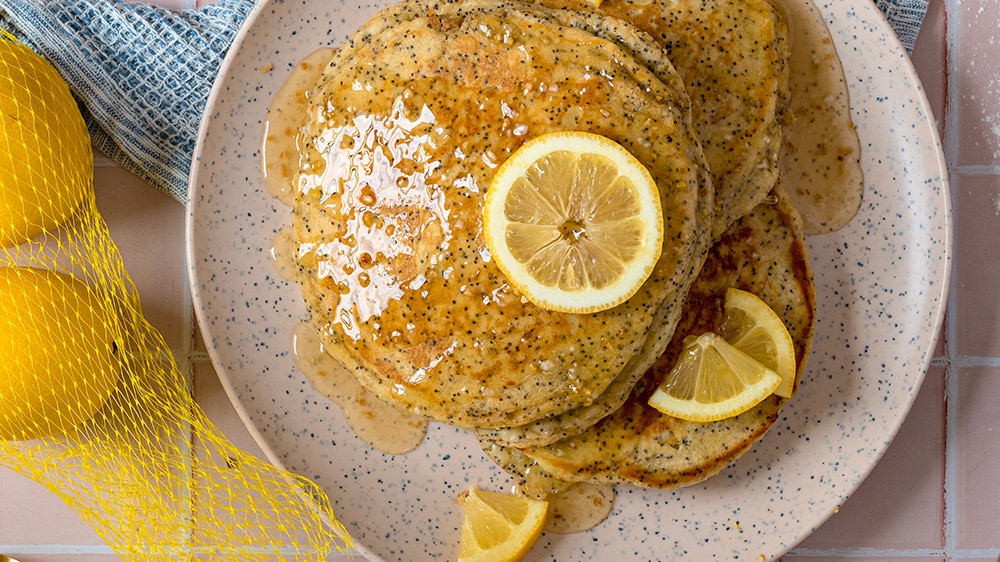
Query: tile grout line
[(187, 335), (951, 147), (868, 553), (950, 457), (64, 549), (975, 169), (951, 137), (964, 361)]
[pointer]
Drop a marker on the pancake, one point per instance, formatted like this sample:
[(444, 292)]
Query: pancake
[(763, 253), (733, 59), (407, 124)]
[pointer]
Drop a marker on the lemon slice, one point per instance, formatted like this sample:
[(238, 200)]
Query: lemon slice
[(499, 527), (753, 328), (713, 380), (723, 375), (574, 222)]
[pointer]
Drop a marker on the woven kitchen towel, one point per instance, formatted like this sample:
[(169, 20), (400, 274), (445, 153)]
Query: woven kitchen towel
[(144, 73), (904, 17)]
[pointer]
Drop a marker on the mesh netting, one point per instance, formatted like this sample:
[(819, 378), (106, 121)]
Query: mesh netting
[(92, 404)]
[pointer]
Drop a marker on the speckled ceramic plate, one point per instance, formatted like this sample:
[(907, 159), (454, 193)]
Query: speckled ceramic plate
[(881, 283)]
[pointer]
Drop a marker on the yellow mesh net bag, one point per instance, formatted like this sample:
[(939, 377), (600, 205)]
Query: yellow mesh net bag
[(92, 404)]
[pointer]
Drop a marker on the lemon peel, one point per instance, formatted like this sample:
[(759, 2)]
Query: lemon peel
[(574, 221)]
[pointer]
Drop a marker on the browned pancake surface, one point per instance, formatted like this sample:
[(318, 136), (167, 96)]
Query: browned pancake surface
[(410, 121), (763, 253), (733, 58)]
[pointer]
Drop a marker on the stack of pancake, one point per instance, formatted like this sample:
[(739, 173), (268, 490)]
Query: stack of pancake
[(404, 131)]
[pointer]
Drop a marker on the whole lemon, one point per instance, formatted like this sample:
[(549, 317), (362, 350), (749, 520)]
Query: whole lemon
[(46, 164), (57, 353)]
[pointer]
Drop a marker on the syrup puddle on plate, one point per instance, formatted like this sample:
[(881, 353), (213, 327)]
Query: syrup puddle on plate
[(380, 424), (580, 507)]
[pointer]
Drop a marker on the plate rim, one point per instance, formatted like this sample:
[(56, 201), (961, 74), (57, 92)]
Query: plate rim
[(189, 227), (936, 319)]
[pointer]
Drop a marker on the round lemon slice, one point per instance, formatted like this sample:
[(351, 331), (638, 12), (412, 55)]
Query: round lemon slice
[(574, 222), (752, 327), (499, 527)]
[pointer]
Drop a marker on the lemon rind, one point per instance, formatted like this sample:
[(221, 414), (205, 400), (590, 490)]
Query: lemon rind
[(533, 522), (787, 366), (585, 300)]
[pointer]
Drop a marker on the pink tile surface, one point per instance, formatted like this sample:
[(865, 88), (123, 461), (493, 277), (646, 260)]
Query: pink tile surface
[(211, 396), (197, 341), (65, 557), (978, 77), (977, 263), (27, 511), (977, 444), (147, 227)]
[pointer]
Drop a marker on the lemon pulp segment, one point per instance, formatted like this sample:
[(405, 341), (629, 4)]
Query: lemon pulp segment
[(713, 380), (751, 326)]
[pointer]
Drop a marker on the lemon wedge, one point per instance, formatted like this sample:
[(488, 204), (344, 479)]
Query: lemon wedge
[(752, 327), (713, 380), (499, 527), (574, 222), (723, 375)]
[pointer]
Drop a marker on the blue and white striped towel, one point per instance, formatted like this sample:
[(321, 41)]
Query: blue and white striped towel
[(159, 67), (905, 17)]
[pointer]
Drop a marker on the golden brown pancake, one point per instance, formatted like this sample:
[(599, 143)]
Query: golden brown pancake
[(409, 121), (733, 58), (763, 253)]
